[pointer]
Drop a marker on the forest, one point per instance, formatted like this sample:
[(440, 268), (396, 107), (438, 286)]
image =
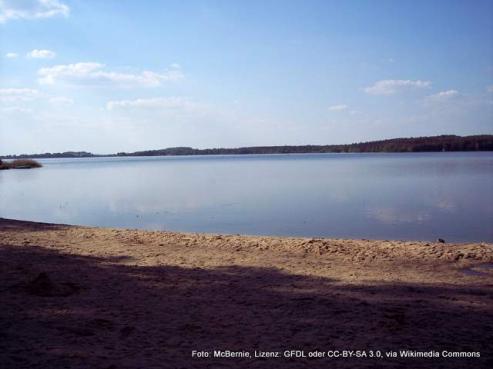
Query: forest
[(414, 144)]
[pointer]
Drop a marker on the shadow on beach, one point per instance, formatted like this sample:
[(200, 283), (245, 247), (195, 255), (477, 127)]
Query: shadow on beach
[(68, 311)]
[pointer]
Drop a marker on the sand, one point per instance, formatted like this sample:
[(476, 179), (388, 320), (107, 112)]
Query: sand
[(79, 297)]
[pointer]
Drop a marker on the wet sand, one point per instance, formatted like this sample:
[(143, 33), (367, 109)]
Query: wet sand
[(78, 297)]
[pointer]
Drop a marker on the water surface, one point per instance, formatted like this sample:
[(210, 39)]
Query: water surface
[(419, 196)]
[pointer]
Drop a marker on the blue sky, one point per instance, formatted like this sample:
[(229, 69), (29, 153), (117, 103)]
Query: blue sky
[(107, 76)]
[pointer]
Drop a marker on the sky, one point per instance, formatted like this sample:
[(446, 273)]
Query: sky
[(110, 76)]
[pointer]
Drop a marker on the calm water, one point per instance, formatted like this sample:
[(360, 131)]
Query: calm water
[(375, 196)]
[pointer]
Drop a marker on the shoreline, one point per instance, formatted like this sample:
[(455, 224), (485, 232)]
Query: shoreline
[(278, 237), (111, 156), (439, 143), (102, 297)]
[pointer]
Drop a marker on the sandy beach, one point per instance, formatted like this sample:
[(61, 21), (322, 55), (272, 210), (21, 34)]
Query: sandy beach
[(79, 297)]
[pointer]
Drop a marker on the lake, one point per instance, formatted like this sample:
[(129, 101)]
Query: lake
[(418, 196)]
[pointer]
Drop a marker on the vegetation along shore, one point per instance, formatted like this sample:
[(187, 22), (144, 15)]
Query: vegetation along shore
[(412, 144), (19, 164)]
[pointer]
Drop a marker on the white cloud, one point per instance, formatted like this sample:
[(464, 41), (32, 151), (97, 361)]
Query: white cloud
[(392, 86), (91, 73), (31, 9), (61, 100), (338, 107), (166, 103), (15, 109), (27, 95), (11, 55), (444, 95), (17, 94), (41, 54), (489, 88)]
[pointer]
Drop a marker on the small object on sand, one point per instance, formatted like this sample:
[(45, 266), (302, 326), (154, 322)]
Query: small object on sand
[(43, 286), (441, 240)]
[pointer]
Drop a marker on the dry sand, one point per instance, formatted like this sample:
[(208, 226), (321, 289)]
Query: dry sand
[(77, 297)]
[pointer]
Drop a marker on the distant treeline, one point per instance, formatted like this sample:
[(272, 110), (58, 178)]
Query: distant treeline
[(415, 144), (66, 154)]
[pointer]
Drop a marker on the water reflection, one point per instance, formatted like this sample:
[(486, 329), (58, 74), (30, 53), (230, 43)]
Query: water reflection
[(396, 216), (400, 196)]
